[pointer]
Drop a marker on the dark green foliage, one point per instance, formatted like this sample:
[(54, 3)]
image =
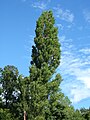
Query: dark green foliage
[(47, 101), (8, 84), (23, 100), (77, 115), (45, 59), (47, 48), (85, 113), (14, 92), (5, 114), (9, 89)]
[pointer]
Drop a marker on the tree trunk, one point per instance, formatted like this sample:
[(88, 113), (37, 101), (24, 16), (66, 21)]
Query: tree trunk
[(24, 115)]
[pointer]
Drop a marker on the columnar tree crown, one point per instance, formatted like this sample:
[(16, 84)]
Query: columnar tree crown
[(47, 47), (45, 59)]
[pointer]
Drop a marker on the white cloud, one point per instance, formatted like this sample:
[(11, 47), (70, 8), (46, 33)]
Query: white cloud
[(64, 14), (75, 67), (41, 4), (60, 26), (69, 26), (82, 75), (86, 14), (78, 93), (85, 51)]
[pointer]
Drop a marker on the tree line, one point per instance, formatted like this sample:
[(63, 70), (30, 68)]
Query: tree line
[(38, 96)]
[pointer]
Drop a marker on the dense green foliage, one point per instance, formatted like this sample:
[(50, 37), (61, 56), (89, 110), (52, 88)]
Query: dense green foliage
[(85, 113), (5, 114), (38, 94), (45, 59), (9, 85)]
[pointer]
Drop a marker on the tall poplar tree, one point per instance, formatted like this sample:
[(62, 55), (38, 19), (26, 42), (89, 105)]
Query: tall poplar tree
[(45, 94)]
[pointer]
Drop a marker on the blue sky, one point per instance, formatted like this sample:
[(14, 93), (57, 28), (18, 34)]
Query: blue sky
[(17, 26)]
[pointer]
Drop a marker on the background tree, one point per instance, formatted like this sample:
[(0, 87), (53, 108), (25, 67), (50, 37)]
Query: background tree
[(5, 114), (85, 113), (9, 92), (14, 92)]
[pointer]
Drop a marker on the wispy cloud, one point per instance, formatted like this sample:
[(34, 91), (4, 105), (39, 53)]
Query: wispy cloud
[(86, 14), (60, 26), (85, 50), (41, 4), (64, 14), (78, 93), (69, 26), (75, 69)]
